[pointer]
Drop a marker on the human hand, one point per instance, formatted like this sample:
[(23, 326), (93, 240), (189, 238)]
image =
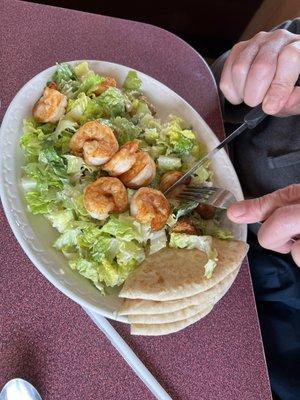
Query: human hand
[(280, 212), (264, 70)]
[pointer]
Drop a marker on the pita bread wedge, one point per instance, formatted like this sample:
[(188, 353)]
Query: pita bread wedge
[(178, 315), (173, 274), (167, 328), (211, 296)]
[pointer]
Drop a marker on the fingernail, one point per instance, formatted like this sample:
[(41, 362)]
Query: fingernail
[(238, 210)]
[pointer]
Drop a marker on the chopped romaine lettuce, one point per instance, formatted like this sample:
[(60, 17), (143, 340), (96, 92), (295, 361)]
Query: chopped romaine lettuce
[(33, 137), (211, 227), (202, 174), (66, 80), (89, 83), (168, 163), (74, 164), (112, 102), (61, 219), (151, 135), (158, 240), (51, 160), (63, 72), (82, 70), (132, 81), (126, 130), (41, 202), (184, 208)]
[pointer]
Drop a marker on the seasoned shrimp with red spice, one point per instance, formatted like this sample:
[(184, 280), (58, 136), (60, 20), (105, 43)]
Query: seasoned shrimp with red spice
[(95, 142), (149, 206), (50, 107), (141, 173), (123, 160), (105, 196)]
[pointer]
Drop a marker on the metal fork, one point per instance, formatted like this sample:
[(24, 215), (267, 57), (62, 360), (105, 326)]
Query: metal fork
[(217, 197), (213, 196)]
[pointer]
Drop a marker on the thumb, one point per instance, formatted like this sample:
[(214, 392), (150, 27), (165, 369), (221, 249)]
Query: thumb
[(259, 209)]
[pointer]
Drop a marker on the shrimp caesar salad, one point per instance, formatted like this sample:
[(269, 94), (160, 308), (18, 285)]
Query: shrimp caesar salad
[(97, 161)]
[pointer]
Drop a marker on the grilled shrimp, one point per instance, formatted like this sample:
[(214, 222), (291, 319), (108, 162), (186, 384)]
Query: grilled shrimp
[(123, 160), (95, 142), (105, 84), (50, 107), (104, 196), (150, 206), (141, 173), (169, 178)]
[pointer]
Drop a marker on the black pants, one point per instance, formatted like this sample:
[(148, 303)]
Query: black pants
[(276, 281)]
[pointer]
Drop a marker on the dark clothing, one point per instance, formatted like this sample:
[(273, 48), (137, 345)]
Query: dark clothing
[(267, 158)]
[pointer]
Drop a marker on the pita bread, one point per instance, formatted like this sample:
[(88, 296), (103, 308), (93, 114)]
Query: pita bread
[(148, 307), (173, 274), (165, 329), (178, 315)]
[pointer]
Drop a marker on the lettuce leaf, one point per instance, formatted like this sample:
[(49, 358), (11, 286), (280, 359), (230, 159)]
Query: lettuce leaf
[(65, 79), (126, 129), (61, 219), (41, 202), (105, 255), (202, 174), (211, 227), (120, 227), (33, 137), (89, 83), (74, 164), (168, 163), (82, 70), (158, 240), (112, 102), (63, 72), (53, 162), (132, 81)]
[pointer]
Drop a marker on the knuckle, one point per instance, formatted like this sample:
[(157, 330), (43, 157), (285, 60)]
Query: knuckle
[(238, 45), (291, 52), (257, 206), (262, 66), (280, 33), (279, 87), (260, 35), (289, 193), (239, 68)]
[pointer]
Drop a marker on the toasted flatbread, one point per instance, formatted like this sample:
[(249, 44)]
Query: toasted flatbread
[(173, 274), (167, 328), (174, 316), (147, 308)]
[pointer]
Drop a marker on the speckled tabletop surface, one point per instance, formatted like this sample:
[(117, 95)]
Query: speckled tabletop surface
[(48, 339)]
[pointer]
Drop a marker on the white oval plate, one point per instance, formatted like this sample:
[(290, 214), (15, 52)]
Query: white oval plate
[(34, 233)]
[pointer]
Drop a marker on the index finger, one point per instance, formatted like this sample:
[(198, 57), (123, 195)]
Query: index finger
[(254, 210)]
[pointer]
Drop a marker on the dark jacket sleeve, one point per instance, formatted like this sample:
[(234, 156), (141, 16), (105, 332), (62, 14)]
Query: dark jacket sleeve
[(235, 114)]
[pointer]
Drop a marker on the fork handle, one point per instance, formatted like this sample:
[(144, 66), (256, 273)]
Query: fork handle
[(254, 117)]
